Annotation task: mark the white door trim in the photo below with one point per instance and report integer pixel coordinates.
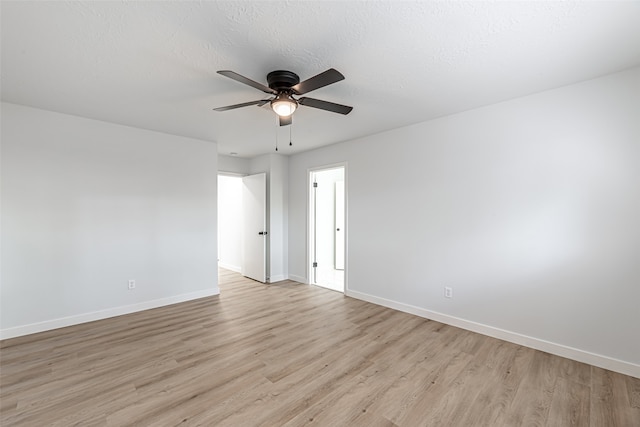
(309, 240)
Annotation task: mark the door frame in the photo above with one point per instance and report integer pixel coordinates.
(309, 257)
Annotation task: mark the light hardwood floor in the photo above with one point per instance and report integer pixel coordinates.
(291, 355)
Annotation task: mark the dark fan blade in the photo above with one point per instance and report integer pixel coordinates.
(244, 104)
(285, 121)
(242, 79)
(325, 105)
(316, 82)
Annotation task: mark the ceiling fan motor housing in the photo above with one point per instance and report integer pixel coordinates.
(282, 80)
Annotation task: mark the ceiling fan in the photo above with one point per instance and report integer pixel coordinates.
(283, 85)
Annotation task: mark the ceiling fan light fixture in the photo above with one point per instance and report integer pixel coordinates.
(284, 105)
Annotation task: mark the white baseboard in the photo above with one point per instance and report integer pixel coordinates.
(598, 360)
(277, 278)
(231, 267)
(298, 279)
(102, 314)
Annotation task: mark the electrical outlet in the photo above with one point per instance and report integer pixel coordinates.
(448, 292)
(132, 284)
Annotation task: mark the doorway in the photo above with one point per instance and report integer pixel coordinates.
(242, 229)
(327, 227)
(230, 222)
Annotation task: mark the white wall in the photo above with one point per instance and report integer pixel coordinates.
(234, 165)
(87, 205)
(278, 218)
(230, 222)
(529, 209)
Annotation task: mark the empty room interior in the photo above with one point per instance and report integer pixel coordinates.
(287, 213)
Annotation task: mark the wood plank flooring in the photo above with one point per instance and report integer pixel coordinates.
(291, 355)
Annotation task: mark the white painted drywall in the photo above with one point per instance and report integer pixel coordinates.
(529, 209)
(278, 216)
(230, 222)
(233, 165)
(88, 205)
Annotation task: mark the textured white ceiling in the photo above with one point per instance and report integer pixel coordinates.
(153, 65)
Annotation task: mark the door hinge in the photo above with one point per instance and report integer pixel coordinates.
(315, 264)
(315, 185)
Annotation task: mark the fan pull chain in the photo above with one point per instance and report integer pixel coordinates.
(277, 124)
(290, 126)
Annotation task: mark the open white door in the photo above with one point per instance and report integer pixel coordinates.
(327, 219)
(339, 237)
(254, 235)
